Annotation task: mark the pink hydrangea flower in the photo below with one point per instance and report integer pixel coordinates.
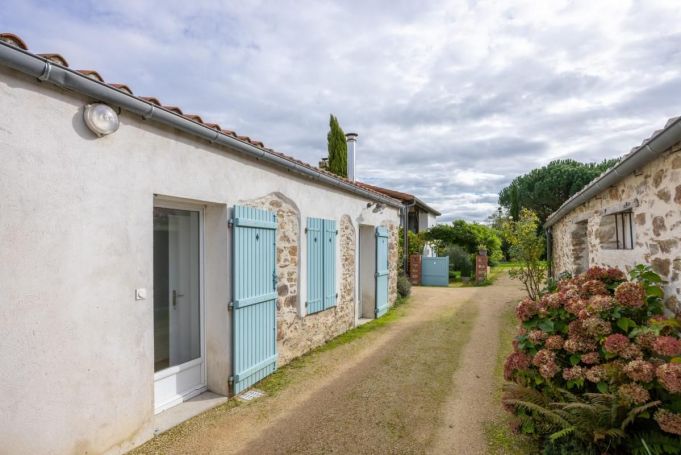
(667, 346)
(669, 376)
(554, 342)
(591, 358)
(576, 372)
(607, 275)
(668, 421)
(631, 352)
(596, 373)
(549, 370)
(545, 360)
(596, 326)
(574, 306)
(575, 344)
(594, 287)
(616, 343)
(630, 294)
(537, 336)
(633, 394)
(640, 370)
(526, 309)
(600, 303)
(552, 301)
(646, 340)
(517, 361)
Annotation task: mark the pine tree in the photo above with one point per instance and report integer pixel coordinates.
(338, 148)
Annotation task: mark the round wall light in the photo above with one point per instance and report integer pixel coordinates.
(101, 119)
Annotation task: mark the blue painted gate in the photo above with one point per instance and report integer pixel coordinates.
(254, 305)
(381, 271)
(435, 271)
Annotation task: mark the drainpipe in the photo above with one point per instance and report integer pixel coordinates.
(405, 233)
(549, 250)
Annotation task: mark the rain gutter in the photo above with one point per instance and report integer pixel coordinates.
(44, 70)
(660, 142)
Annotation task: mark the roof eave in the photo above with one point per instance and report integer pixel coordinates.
(648, 151)
(45, 70)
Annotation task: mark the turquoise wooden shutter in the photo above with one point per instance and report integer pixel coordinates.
(381, 271)
(254, 305)
(329, 263)
(315, 265)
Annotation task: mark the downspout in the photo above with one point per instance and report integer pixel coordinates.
(549, 250)
(66, 78)
(405, 233)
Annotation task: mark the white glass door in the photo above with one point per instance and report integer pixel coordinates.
(179, 371)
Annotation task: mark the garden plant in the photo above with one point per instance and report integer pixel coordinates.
(596, 367)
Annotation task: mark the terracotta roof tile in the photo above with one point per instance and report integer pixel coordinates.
(174, 109)
(92, 74)
(14, 40)
(56, 58)
(193, 117)
(151, 99)
(122, 88)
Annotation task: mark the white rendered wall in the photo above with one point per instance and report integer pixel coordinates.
(75, 243)
(426, 220)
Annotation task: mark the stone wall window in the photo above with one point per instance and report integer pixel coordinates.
(616, 231)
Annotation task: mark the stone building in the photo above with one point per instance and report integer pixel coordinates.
(631, 214)
(150, 256)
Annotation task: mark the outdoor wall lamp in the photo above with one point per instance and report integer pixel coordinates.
(101, 119)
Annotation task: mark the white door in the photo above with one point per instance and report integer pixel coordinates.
(179, 368)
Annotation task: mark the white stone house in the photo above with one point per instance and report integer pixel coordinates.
(631, 214)
(132, 263)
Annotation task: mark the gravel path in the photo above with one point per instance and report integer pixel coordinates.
(472, 404)
(413, 386)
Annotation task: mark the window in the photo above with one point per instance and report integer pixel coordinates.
(321, 264)
(616, 231)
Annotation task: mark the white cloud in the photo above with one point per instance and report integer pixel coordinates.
(451, 99)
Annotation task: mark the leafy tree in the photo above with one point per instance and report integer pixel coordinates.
(469, 236)
(338, 148)
(544, 190)
(527, 247)
(416, 242)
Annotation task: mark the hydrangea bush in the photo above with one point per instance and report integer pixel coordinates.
(598, 360)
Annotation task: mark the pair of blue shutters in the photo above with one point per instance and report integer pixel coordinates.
(254, 305)
(381, 271)
(321, 264)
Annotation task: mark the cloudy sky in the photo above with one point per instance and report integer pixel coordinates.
(451, 100)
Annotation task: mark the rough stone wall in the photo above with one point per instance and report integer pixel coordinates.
(297, 335)
(655, 193)
(393, 261)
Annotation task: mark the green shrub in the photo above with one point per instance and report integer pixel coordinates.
(403, 285)
(459, 260)
(568, 446)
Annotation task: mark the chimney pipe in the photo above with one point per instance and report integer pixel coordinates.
(351, 139)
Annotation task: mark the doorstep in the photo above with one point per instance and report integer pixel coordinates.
(362, 321)
(174, 416)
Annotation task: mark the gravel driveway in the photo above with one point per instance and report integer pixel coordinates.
(414, 386)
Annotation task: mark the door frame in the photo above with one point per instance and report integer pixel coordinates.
(170, 371)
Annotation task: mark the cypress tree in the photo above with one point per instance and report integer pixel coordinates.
(338, 148)
(515, 203)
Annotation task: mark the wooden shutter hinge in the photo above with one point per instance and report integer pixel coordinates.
(230, 223)
(230, 306)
